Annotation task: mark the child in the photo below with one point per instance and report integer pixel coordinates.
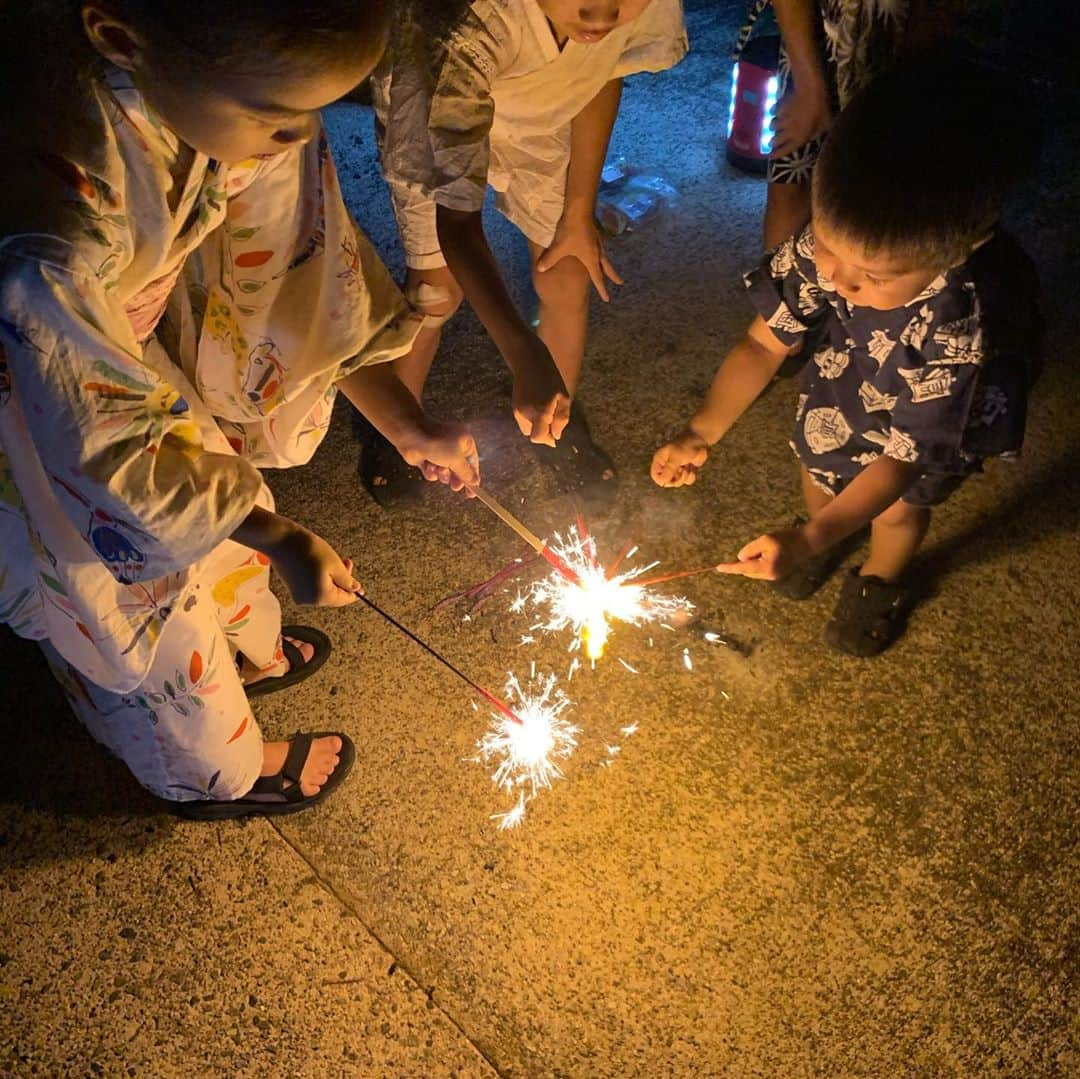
(169, 155)
(520, 95)
(831, 49)
(926, 332)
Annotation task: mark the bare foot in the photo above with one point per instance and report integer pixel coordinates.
(249, 674)
(320, 764)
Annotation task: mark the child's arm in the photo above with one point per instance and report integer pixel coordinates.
(806, 111)
(313, 571)
(577, 235)
(877, 487)
(445, 452)
(745, 372)
(541, 401)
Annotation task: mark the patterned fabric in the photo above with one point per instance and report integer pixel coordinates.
(128, 442)
(862, 38)
(187, 732)
(493, 106)
(924, 383)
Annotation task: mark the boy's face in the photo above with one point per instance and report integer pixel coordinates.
(865, 280)
(230, 114)
(589, 21)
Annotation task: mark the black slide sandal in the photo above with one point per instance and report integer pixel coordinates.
(298, 669)
(270, 797)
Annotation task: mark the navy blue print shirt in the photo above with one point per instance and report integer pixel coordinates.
(922, 383)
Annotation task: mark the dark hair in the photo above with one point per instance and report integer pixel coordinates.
(437, 19)
(919, 163)
(225, 32)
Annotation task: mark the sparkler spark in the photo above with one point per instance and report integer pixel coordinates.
(528, 751)
(512, 817)
(589, 598)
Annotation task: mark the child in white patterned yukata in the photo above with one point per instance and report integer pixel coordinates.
(521, 96)
(925, 333)
(182, 294)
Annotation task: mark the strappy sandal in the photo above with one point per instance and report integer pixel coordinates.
(270, 797)
(869, 616)
(808, 577)
(299, 668)
(581, 467)
(385, 474)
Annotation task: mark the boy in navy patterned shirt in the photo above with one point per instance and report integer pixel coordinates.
(925, 337)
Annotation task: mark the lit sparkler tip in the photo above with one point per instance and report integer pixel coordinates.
(595, 597)
(529, 742)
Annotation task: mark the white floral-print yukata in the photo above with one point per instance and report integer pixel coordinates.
(130, 437)
(493, 105)
(941, 382)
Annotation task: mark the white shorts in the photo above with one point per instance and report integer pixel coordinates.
(532, 201)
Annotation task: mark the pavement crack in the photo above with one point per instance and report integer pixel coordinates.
(398, 964)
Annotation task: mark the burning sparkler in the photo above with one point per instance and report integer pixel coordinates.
(591, 597)
(527, 739)
(528, 751)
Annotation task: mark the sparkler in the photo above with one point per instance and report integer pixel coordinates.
(528, 752)
(527, 740)
(596, 595)
(530, 537)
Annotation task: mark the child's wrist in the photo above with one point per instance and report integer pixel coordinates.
(699, 432)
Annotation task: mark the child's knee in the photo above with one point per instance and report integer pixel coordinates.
(436, 298)
(901, 514)
(566, 284)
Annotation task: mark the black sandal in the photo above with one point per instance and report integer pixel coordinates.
(808, 577)
(869, 615)
(270, 797)
(385, 474)
(581, 467)
(299, 669)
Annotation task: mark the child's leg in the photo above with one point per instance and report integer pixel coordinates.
(895, 536)
(564, 312)
(436, 294)
(787, 209)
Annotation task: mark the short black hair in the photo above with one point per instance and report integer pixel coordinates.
(918, 165)
(260, 30)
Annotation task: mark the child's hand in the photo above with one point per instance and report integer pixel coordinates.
(313, 571)
(677, 463)
(541, 401)
(770, 557)
(804, 114)
(444, 453)
(577, 236)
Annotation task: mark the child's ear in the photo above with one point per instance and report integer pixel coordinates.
(114, 38)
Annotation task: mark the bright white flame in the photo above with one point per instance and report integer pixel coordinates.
(528, 752)
(588, 604)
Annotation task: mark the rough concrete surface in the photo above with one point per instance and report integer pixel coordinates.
(800, 864)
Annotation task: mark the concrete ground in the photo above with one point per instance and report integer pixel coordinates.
(799, 865)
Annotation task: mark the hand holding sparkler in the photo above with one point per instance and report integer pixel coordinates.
(770, 557)
(312, 570)
(444, 453)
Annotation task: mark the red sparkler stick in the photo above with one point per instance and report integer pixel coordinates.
(673, 576)
(530, 537)
(618, 558)
(486, 694)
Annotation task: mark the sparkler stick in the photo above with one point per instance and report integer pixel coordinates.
(674, 576)
(627, 546)
(486, 694)
(530, 537)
